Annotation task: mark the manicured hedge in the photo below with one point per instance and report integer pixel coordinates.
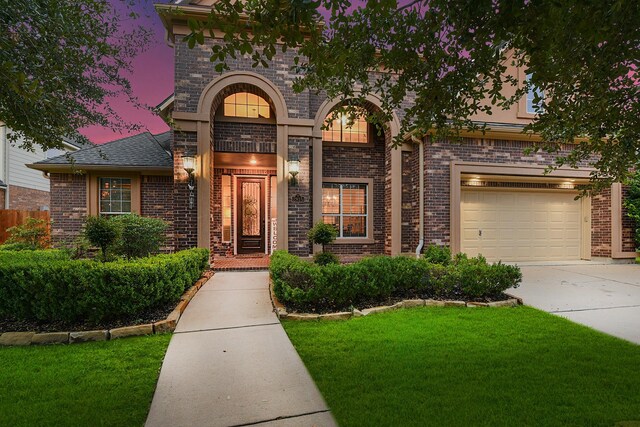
(304, 286)
(28, 256)
(47, 286)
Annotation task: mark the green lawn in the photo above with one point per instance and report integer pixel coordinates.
(460, 367)
(92, 384)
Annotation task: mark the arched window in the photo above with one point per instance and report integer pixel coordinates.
(245, 104)
(340, 130)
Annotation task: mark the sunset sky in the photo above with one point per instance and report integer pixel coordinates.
(152, 80)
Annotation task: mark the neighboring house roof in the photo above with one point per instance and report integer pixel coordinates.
(77, 142)
(2, 184)
(141, 151)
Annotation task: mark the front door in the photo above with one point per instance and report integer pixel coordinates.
(251, 213)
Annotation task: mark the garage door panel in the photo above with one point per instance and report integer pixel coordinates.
(520, 225)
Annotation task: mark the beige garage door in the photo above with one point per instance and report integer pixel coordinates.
(520, 225)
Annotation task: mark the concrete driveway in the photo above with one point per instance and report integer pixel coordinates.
(605, 297)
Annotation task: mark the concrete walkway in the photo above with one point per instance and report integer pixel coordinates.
(230, 363)
(605, 297)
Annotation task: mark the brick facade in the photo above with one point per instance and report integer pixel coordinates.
(410, 202)
(299, 199)
(628, 228)
(167, 197)
(438, 158)
(28, 199)
(68, 206)
(185, 217)
(156, 201)
(244, 137)
(339, 161)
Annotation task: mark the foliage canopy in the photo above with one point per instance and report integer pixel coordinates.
(60, 61)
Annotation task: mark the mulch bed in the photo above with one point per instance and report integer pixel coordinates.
(150, 316)
(396, 299)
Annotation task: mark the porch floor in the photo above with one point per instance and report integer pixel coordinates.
(241, 262)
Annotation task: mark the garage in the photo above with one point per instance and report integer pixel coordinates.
(523, 225)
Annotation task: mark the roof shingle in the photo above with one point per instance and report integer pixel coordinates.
(143, 150)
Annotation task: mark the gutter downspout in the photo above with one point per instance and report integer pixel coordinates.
(420, 196)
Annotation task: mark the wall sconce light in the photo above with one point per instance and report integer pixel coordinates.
(189, 165)
(294, 169)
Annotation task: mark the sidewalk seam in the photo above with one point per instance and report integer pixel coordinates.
(227, 327)
(593, 309)
(284, 417)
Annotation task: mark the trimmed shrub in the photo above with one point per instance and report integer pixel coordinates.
(15, 257)
(139, 236)
(322, 234)
(47, 286)
(437, 254)
(324, 258)
(305, 286)
(32, 235)
(17, 247)
(101, 232)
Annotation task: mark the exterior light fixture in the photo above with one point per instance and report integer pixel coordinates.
(189, 165)
(294, 169)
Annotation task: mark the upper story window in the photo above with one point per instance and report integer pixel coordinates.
(115, 196)
(532, 95)
(341, 130)
(245, 104)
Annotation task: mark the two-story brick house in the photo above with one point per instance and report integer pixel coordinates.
(265, 171)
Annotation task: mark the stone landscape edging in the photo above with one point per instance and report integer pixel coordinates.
(162, 326)
(282, 312)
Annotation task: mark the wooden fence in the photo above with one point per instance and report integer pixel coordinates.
(11, 218)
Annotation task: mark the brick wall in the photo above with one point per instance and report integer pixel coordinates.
(438, 158)
(68, 206)
(156, 201)
(194, 71)
(601, 224)
(244, 137)
(299, 199)
(3, 194)
(628, 227)
(360, 162)
(388, 147)
(28, 199)
(185, 218)
(410, 201)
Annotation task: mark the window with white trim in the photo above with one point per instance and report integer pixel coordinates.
(344, 206)
(115, 196)
(534, 94)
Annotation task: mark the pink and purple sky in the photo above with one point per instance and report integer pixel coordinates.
(151, 80)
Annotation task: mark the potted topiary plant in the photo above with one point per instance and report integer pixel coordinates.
(323, 234)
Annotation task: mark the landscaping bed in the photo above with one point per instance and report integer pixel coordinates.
(9, 324)
(46, 287)
(450, 366)
(45, 297)
(303, 286)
